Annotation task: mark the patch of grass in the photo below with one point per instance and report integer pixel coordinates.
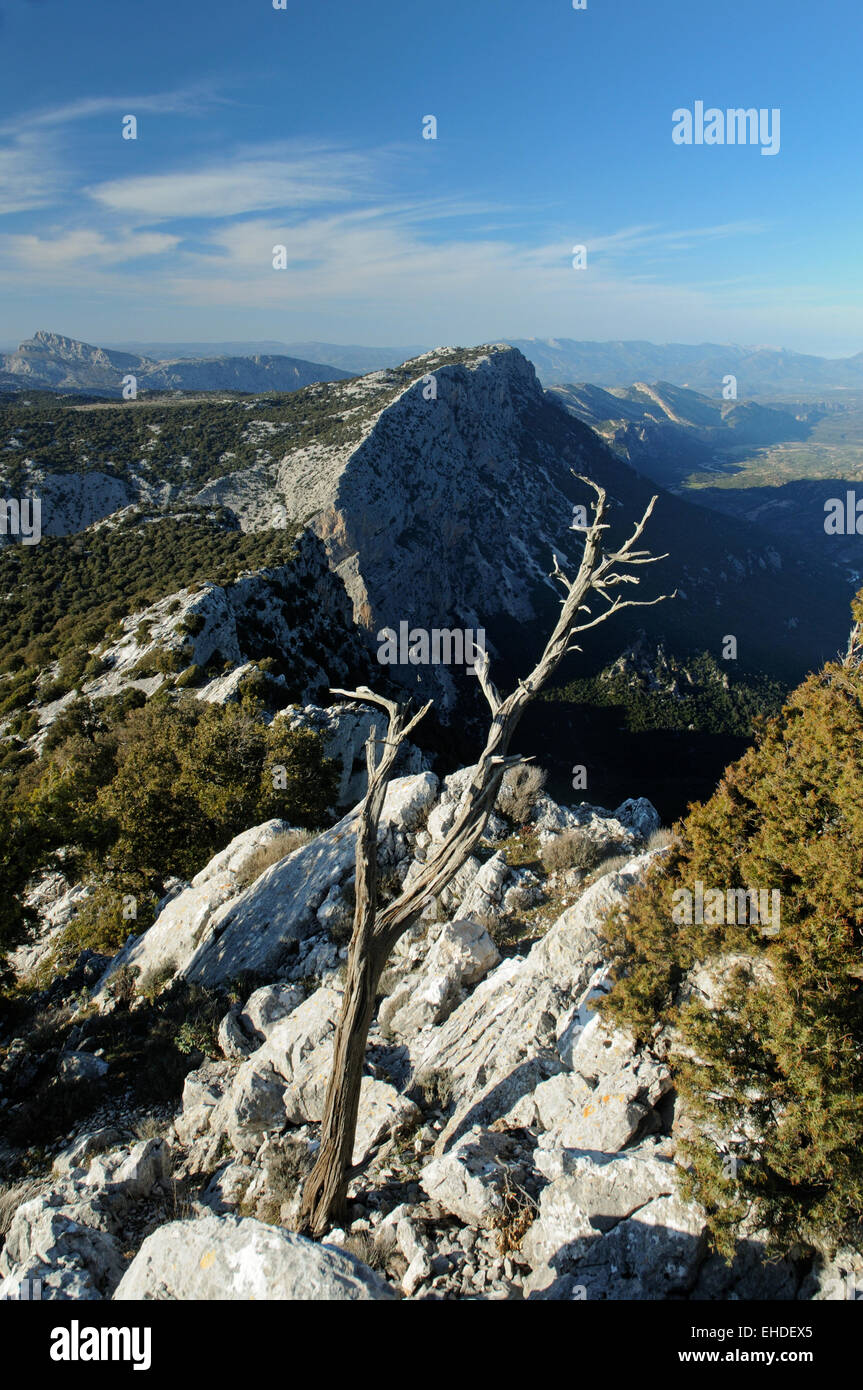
(611, 865)
(155, 981)
(12, 1197)
(572, 849)
(521, 850)
(271, 853)
(150, 1127)
(363, 1247)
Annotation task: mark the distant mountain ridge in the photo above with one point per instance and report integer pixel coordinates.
(51, 361)
(354, 359)
(703, 367)
(666, 431)
(273, 365)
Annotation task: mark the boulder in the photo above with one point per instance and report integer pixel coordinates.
(266, 1006)
(202, 1091)
(638, 815)
(78, 1155)
(232, 1038)
(484, 895)
(188, 918)
(81, 1066)
(147, 1165)
(652, 1255)
(383, 1113)
(71, 1258)
(603, 1188)
(217, 929)
(253, 1108)
(251, 931)
(222, 1258)
(594, 824)
(470, 1180)
(283, 1081)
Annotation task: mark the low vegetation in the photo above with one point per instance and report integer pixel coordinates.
(138, 797)
(676, 694)
(768, 1056)
(69, 593)
(272, 853)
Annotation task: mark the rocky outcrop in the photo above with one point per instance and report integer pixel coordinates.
(513, 1031)
(460, 955)
(509, 1145)
(217, 929)
(345, 730)
(70, 1239)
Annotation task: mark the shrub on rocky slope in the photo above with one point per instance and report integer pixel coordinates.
(767, 1016)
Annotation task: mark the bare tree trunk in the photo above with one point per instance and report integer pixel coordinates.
(376, 933)
(326, 1188)
(325, 1191)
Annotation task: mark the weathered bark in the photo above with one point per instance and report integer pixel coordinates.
(326, 1188)
(376, 933)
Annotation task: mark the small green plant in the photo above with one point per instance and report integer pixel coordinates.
(193, 623)
(155, 981)
(196, 1036)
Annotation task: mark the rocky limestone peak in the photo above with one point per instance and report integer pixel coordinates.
(70, 349)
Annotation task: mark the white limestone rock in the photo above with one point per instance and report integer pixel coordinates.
(502, 1041)
(227, 1258)
(218, 929)
(67, 1250)
(653, 1254)
(467, 1181)
(460, 955)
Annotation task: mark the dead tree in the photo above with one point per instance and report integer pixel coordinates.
(375, 932)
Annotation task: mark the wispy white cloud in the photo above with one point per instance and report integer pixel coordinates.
(188, 101)
(356, 251)
(653, 237)
(30, 175)
(36, 167)
(250, 182)
(64, 252)
(386, 259)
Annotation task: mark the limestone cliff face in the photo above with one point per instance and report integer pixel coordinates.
(448, 509)
(425, 510)
(438, 493)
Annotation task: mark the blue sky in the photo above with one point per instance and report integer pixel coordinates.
(303, 127)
